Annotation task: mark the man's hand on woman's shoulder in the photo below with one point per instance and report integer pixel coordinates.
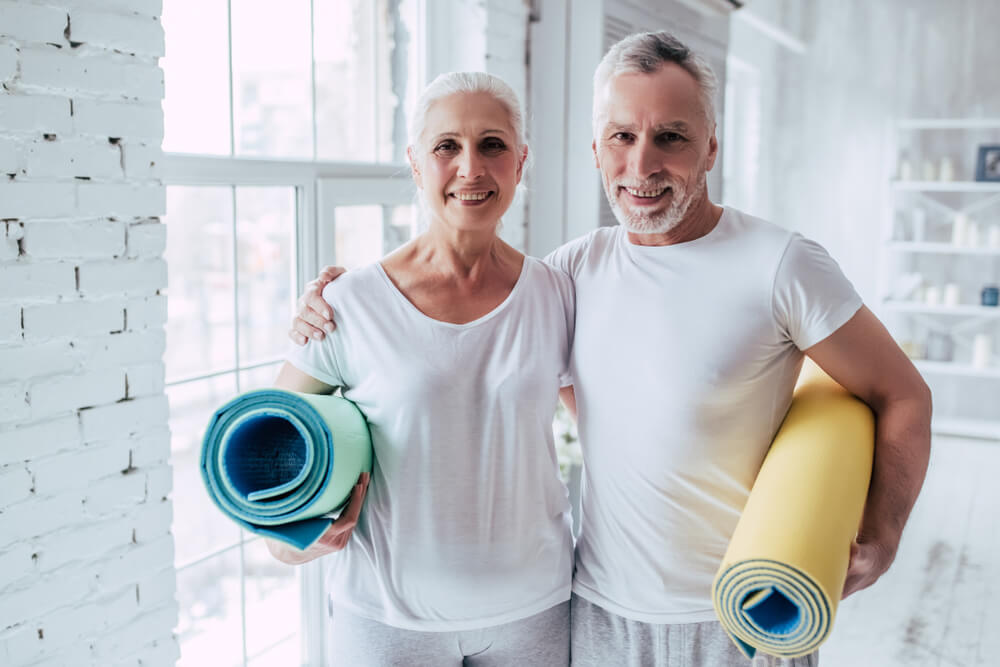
(314, 318)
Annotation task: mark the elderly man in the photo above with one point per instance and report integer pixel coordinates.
(692, 322)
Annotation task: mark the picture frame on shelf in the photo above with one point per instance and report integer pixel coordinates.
(988, 163)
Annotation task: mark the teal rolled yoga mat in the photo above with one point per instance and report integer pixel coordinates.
(277, 461)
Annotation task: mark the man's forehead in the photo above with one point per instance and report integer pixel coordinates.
(658, 99)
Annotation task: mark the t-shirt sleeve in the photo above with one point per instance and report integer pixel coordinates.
(568, 294)
(811, 297)
(319, 358)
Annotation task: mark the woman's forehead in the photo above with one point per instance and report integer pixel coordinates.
(468, 113)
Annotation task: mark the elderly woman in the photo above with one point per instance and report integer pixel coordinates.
(454, 347)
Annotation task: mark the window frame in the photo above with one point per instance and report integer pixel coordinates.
(320, 188)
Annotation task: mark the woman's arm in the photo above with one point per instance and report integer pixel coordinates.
(333, 539)
(336, 536)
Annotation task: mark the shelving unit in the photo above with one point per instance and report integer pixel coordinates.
(934, 269)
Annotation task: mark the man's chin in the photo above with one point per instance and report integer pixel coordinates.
(644, 225)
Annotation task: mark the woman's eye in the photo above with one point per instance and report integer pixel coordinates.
(494, 145)
(446, 147)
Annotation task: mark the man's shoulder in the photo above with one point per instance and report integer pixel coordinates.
(569, 255)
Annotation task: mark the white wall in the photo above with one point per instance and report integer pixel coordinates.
(86, 556)
(826, 150)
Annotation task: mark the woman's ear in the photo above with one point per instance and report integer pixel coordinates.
(413, 167)
(521, 161)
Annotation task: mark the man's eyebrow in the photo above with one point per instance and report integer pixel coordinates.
(673, 126)
(619, 127)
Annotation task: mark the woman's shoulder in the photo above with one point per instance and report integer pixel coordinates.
(361, 284)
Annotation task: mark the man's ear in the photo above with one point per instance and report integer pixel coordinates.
(713, 151)
(417, 178)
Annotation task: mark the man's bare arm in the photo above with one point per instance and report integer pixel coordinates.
(865, 360)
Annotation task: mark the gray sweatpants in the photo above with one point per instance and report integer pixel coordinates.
(603, 639)
(541, 640)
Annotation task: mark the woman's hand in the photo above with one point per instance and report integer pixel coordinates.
(314, 316)
(334, 538)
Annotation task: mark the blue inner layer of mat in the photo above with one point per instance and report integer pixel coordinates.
(264, 452)
(775, 613)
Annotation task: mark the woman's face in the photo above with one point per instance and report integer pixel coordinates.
(466, 161)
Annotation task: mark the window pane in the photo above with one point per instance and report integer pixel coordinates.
(262, 377)
(266, 240)
(210, 626)
(366, 60)
(200, 331)
(273, 604)
(199, 527)
(358, 234)
(272, 88)
(196, 76)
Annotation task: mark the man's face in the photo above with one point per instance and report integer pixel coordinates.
(654, 148)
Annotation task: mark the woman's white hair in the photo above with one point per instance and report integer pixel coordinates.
(451, 83)
(646, 53)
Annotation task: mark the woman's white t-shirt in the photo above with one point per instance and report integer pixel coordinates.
(466, 523)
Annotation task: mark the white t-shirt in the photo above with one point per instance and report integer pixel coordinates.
(683, 365)
(466, 523)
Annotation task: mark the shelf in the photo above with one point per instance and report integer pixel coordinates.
(970, 428)
(951, 368)
(940, 248)
(948, 186)
(957, 311)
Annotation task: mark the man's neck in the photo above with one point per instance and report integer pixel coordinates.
(700, 220)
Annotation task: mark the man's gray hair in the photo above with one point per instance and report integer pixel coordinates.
(646, 53)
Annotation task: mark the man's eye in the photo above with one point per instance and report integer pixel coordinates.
(671, 137)
(621, 136)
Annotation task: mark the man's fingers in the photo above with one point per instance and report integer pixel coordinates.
(306, 330)
(331, 273)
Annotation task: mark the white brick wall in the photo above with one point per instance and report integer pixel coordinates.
(86, 555)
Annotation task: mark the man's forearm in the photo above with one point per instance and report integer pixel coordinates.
(902, 450)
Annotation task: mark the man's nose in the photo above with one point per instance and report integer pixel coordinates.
(644, 161)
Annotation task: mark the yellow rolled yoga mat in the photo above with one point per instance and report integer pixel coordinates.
(783, 573)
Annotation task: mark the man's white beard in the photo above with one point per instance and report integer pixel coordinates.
(683, 195)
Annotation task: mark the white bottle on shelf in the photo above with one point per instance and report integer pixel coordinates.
(993, 236)
(946, 172)
(982, 350)
(958, 227)
(952, 294)
(972, 235)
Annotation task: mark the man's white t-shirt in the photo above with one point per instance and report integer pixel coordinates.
(683, 365)
(466, 523)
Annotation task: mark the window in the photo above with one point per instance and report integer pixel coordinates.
(285, 135)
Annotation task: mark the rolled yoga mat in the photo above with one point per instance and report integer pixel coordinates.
(276, 461)
(783, 574)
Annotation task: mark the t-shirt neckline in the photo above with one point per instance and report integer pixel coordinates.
(456, 325)
(707, 238)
